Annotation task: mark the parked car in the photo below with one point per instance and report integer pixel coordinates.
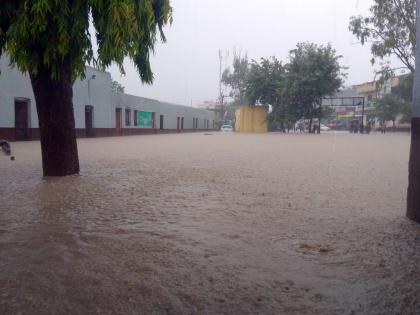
(226, 128)
(337, 125)
(315, 127)
(325, 128)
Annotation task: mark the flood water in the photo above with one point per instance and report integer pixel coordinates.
(206, 224)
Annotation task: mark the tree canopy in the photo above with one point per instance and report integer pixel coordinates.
(404, 89)
(117, 87)
(236, 79)
(264, 86)
(391, 28)
(48, 33)
(264, 80)
(390, 106)
(51, 41)
(294, 89)
(313, 72)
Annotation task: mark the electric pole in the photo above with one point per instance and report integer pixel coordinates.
(413, 193)
(222, 115)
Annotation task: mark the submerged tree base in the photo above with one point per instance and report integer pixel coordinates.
(413, 194)
(54, 103)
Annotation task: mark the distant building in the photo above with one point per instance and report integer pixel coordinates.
(374, 90)
(347, 103)
(217, 108)
(98, 110)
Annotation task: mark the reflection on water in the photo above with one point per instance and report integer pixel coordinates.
(195, 224)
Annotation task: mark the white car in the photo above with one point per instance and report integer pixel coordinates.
(325, 128)
(226, 128)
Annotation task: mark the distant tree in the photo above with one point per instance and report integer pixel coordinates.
(236, 79)
(265, 80)
(389, 107)
(117, 87)
(404, 89)
(391, 28)
(406, 112)
(50, 40)
(230, 112)
(312, 73)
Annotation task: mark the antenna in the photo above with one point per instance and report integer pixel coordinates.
(220, 74)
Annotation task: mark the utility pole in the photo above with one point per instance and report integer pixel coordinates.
(220, 87)
(220, 72)
(413, 193)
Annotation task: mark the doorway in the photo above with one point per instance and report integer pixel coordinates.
(89, 121)
(161, 122)
(177, 124)
(153, 120)
(21, 119)
(118, 129)
(182, 123)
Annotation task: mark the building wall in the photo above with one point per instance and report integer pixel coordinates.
(13, 84)
(373, 90)
(97, 93)
(168, 110)
(251, 119)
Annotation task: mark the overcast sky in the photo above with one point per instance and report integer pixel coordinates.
(186, 67)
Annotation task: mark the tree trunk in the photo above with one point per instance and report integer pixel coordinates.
(413, 193)
(310, 126)
(54, 104)
(319, 126)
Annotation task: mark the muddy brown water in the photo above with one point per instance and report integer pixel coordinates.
(212, 224)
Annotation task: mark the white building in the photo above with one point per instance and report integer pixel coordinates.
(98, 111)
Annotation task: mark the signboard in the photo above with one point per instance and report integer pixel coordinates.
(145, 119)
(346, 115)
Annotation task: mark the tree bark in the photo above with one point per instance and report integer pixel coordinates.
(54, 104)
(413, 193)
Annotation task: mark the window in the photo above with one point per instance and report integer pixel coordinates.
(127, 117)
(135, 118)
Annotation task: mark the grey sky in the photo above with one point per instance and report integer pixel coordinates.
(186, 68)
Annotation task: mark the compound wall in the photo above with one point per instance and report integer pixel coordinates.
(251, 119)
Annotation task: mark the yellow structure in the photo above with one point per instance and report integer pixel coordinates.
(251, 119)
